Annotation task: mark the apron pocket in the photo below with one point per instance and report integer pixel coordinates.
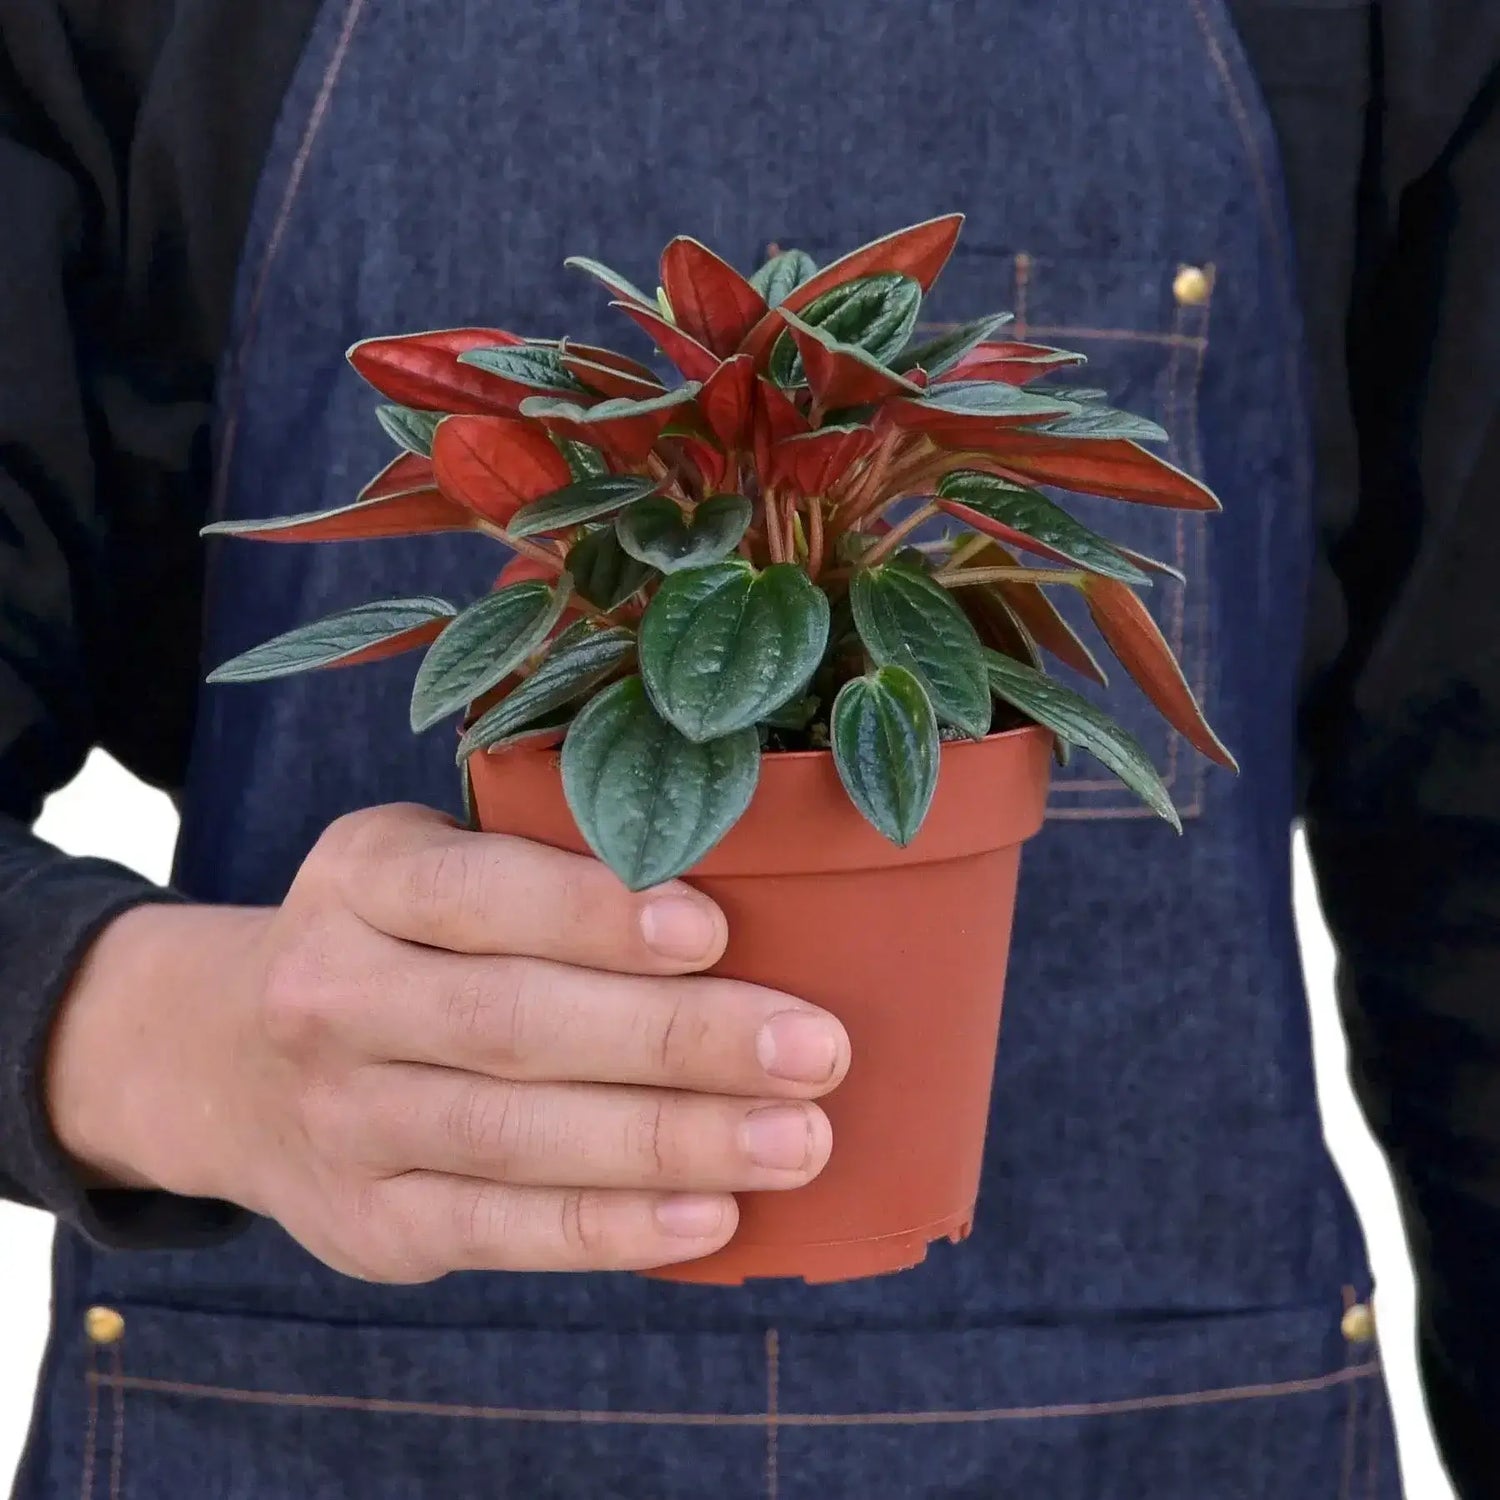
(256, 1408)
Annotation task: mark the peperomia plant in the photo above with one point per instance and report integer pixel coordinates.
(811, 541)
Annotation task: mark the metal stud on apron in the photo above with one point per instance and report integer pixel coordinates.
(1166, 1293)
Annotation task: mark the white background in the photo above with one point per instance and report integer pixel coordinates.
(105, 812)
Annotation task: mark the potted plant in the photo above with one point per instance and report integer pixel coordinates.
(770, 627)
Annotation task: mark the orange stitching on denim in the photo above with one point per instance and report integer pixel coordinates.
(91, 1432)
(289, 196)
(561, 1416)
(117, 1455)
(1377, 1436)
(1023, 287)
(1281, 257)
(773, 1414)
(1200, 553)
(1118, 335)
(1347, 1472)
(1179, 533)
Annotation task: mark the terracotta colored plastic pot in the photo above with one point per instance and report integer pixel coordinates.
(907, 947)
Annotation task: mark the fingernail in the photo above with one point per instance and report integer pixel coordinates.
(779, 1137)
(691, 1218)
(799, 1047)
(677, 927)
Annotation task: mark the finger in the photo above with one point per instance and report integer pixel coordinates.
(469, 1225)
(584, 1135)
(531, 1020)
(412, 873)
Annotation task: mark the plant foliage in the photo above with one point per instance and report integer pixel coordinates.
(811, 540)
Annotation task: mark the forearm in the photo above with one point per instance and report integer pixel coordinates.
(52, 909)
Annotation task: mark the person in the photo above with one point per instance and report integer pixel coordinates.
(355, 1048)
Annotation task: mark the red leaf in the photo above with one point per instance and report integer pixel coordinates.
(1014, 364)
(920, 252)
(695, 362)
(775, 419)
(840, 377)
(727, 401)
(406, 474)
(495, 465)
(605, 380)
(1003, 533)
(523, 568)
(598, 355)
(1113, 467)
(812, 463)
(422, 370)
(711, 462)
(1034, 608)
(711, 301)
(1133, 636)
(410, 514)
(394, 645)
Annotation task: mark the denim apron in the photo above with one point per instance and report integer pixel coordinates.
(1156, 1303)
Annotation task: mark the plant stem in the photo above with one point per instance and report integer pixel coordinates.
(815, 538)
(961, 554)
(897, 534)
(964, 577)
(773, 528)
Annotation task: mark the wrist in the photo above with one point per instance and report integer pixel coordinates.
(140, 1062)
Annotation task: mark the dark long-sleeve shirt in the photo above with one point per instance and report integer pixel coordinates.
(130, 141)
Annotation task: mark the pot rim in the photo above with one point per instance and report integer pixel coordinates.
(991, 795)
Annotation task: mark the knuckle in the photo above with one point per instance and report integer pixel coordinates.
(481, 1223)
(298, 995)
(584, 1226)
(486, 1012)
(441, 883)
(678, 1034)
(482, 1125)
(354, 838)
(655, 1140)
(391, 1246)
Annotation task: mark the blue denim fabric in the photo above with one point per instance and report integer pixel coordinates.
(1150, 1305)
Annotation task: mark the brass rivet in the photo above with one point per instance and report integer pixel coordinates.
(1359, 1324)
(1191, 286)
(104, 1325)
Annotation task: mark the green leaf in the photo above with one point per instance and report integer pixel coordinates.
(603, 572)
(1031, 513)
(650, 802)
(783, 274)
(616, 409)
(487, 642)
(586, 500)
(907, 620)
(873, 314)
(656, 531)
(992, 398)
(576, 664)
(1074, 719)
(532, 365)
(940, 353)
(611, 279)
(1106, 422)
(328, 642)
(886, 748)
(411, 428)
(722, 645)
(584, 461)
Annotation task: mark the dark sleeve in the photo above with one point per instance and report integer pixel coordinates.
(1402, 732)
(98, 597)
